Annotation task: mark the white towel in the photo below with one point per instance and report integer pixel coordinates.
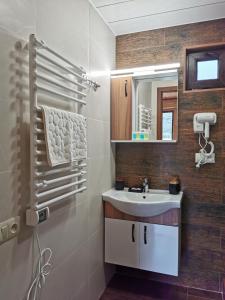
(65, 135)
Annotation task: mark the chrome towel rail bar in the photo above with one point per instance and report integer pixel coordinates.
(61, 76)
(45, 183)
(61, 170)
(42, 45)
(60, 188)
(54, 63)
(53, 82)
(49, 91)
(58, 199)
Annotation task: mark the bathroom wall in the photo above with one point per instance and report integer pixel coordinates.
(203, 212)
(75, 230)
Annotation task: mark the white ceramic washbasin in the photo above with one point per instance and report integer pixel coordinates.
(150, 204)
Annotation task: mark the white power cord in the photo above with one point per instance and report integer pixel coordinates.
(42, 271)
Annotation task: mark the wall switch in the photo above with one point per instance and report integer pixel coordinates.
(35, 217)
(9, 229)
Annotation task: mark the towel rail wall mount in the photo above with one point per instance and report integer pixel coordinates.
(53, 75)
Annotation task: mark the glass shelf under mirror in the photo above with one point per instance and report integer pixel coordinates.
(145, 141)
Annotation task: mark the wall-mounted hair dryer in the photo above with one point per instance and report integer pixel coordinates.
(201, 123)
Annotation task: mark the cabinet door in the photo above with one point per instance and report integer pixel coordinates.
(122, 242)
(159, 248)
(121, 108)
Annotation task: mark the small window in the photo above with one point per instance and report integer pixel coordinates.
(167, 125)
(205, 68)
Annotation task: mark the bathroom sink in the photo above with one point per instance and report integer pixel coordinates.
(150, 204)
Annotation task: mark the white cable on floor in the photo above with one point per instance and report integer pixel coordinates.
(42, 271)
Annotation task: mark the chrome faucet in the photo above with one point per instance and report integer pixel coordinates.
(145, 185)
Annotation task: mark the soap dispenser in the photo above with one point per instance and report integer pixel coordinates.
(174, 185)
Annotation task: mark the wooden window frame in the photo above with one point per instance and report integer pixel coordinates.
(204, 53)
(160, 111)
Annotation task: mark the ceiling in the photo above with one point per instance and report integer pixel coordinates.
(127, 16)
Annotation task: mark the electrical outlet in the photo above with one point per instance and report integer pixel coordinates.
(211, 159)
(208, 160)
(9, 229)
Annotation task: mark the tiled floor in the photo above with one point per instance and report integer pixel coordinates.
(127, 288)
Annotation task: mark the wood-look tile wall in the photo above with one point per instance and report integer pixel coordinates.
(203, 212)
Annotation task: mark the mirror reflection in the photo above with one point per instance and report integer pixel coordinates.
(156, 107)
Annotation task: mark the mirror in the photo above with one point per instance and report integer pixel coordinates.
(155, 107)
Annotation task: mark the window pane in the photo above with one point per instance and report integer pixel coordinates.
(167, 125)
(207, 69)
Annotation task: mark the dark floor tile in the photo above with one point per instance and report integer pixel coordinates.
(196, 294)
(205, 280)
(192, 297)
(127, 288)
(112, 294)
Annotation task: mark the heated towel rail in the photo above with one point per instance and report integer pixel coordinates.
(54, 79)
(145, 118)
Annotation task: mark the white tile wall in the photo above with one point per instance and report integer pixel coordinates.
(74, 231)
(17, 18)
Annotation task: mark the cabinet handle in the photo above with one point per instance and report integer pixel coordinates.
(145, 235)
(133, 229)
(125, 88)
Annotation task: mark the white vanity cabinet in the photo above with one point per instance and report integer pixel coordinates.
(122, 242)
(159, 248)
(144, 246)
